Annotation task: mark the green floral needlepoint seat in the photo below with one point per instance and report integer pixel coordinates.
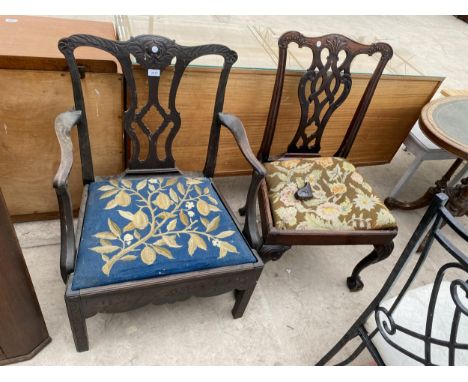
(143, 228)
(342, 200)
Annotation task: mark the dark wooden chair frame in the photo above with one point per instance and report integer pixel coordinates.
(153, 53)
(320, 79)
(435, 216)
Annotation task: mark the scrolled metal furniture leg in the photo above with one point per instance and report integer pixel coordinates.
(457, 205)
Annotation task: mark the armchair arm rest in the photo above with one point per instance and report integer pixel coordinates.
(63, 125)
(237, 129)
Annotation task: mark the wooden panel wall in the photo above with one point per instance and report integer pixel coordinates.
(30, 101)
(29, 151)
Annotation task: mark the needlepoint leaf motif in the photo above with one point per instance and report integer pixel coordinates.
(168, 209)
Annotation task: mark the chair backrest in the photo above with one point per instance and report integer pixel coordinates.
(451, 298)
(324, 86)
(154, 54)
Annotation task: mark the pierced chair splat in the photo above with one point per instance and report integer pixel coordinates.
(151, 234)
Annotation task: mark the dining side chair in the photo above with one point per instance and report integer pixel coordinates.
(151, 234)
(422, 325)
(306, 199)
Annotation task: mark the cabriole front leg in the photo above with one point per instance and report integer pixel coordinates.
(380, 252)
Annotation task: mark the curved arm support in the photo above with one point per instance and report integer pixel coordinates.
(63, 125)
(237, 129)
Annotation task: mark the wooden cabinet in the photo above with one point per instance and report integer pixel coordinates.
(23, 332)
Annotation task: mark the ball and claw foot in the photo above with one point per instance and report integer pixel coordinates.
(354, 283)
(379, 253)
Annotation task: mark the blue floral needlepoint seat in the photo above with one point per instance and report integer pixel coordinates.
(143, 228)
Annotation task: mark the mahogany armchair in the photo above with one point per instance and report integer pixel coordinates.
(305, 199)
(150, 234)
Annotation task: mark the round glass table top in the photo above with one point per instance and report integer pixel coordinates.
(445, 122)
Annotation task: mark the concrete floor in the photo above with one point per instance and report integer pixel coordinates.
(301, 305)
